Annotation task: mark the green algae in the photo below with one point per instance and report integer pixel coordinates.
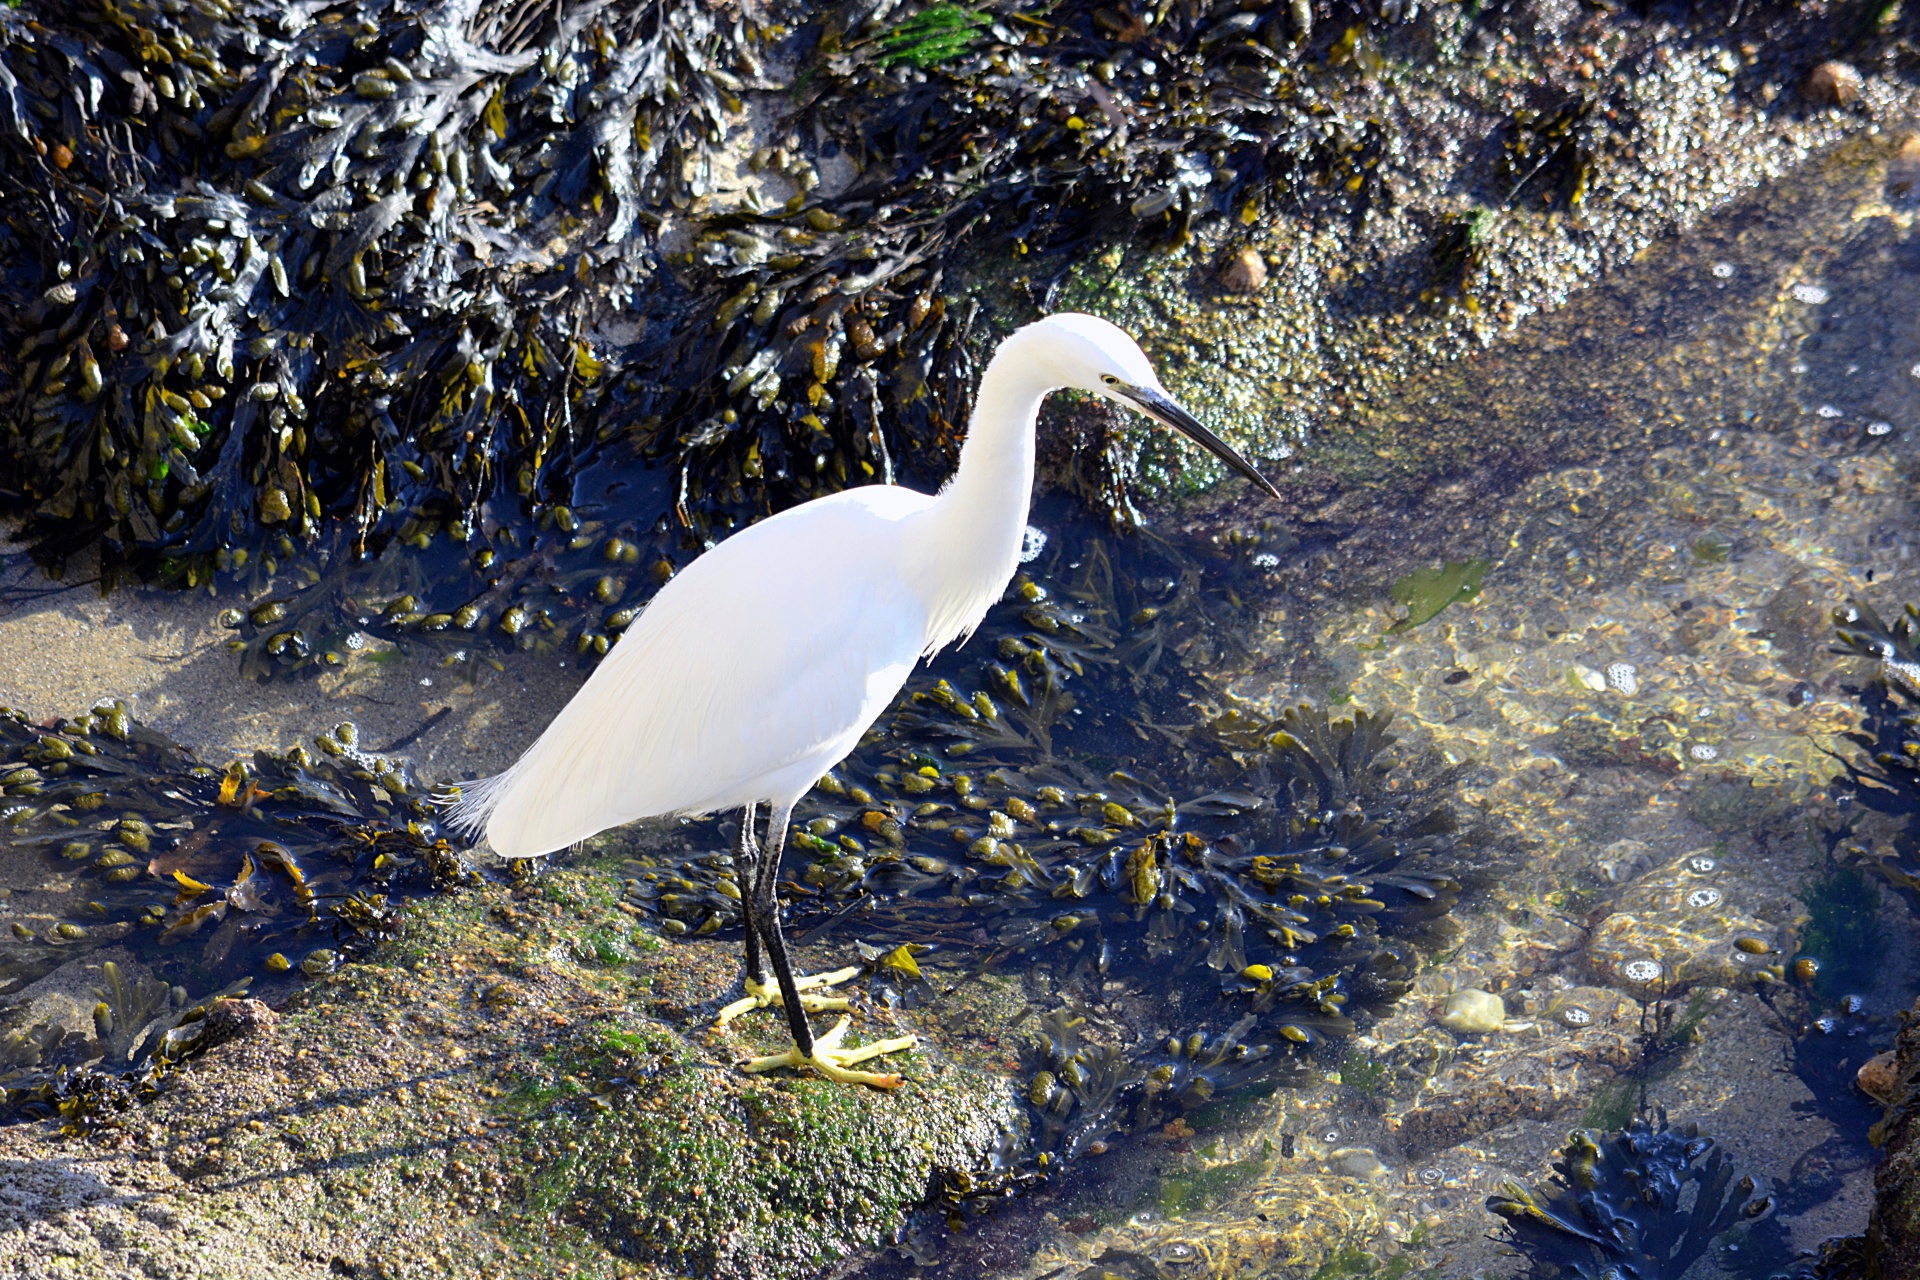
(669, 1161)
(541, 1109)
(1843, 929)
(1193, 1189)
(1426, 592)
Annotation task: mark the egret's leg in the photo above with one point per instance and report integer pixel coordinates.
(761, 904)
(825, 1056)
(746, 857)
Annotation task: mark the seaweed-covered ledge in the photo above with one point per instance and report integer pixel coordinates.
(518, 1082)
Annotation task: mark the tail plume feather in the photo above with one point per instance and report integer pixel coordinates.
(470, 804)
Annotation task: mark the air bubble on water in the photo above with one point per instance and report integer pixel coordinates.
(1266, 560)
(1623, 678)
(1722, 270)
(355, 640)
(1702, 751)
(1032, 542)
(426, 682)
(1704, 898)
(1811, 294)
(1701, 864)
(1879, 428)
(1828, 411)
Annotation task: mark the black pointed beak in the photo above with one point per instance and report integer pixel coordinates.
(1162, 409)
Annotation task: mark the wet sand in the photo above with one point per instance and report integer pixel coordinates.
(63, 648)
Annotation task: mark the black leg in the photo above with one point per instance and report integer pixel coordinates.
(767, 908)
(746, 858)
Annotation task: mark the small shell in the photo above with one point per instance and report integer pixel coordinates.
(1642, 971)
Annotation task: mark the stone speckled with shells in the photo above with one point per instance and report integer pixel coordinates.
(1680, 919)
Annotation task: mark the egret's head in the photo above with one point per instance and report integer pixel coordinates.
(1094, 355)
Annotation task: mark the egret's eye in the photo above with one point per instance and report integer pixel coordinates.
(1109, 379)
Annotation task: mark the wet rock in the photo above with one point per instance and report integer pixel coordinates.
(1896, 1182)
(571, 1127)
(1473, 1012)
(1358, 1162)
(1624, 861)
(1876, 1077)
(231, 1019)
(1535, 1075)
(1677, 928)
(1243, 271)
(1278, 1221)
(1832, 84)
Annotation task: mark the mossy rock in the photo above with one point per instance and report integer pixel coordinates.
(714, 1174)
(524, 1084)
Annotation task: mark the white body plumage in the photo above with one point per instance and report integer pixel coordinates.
(761, 664)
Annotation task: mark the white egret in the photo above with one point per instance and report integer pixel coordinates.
(760, 665)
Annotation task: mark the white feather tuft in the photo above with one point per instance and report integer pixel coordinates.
(471, 804)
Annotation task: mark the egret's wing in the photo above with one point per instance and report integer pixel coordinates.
(768, 655)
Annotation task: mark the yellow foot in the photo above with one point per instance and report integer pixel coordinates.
(760, 995)
(831, 1061)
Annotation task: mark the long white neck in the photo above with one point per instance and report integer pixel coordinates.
(978, 521)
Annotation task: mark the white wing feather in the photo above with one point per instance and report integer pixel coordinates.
(749, 675)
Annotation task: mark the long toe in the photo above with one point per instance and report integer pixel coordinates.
(767, 995)
(873, 1079)
(836, 1063)
(759, 996)
(803, 982)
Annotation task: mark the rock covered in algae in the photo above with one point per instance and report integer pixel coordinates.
(493, 1093)
(1896, 1181)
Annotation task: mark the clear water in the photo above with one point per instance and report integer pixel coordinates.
(1661, 493)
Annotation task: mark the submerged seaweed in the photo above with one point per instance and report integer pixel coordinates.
(210, 875)
(1618, 1204)
(1885, 773)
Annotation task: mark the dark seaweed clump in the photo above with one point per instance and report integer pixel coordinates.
(212, 878)
(1885, 774)
(1618, 1204)
(1186, 927)
(300, 283)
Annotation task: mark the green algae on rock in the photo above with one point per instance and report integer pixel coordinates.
(677, 1163)
(487, 1083)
